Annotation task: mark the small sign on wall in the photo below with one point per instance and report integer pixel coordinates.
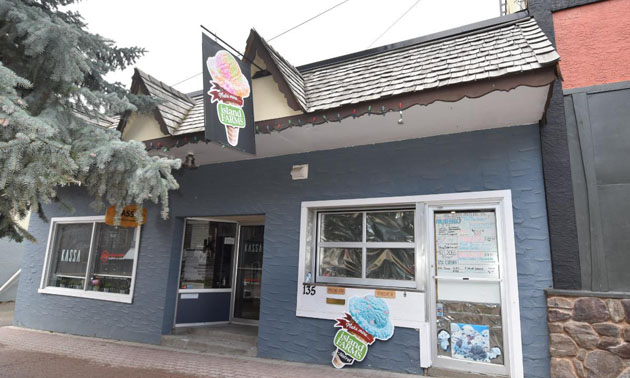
(127, 216)
(366, 320)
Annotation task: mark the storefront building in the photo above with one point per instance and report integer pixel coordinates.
(410, 173)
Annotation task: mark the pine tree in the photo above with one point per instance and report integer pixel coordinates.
(51, 84)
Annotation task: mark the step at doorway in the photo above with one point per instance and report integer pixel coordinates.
(229, 339)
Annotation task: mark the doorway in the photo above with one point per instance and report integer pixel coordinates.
(220, 271)
(248, 274)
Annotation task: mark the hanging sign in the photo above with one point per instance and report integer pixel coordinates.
(367, 320)
(227, 98)
(127, 216)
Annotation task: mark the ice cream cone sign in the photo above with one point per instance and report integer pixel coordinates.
(366, 320)
(227, 98)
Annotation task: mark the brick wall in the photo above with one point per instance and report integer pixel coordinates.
(594, 43)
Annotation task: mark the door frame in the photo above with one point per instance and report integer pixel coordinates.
(510, 309)
(192, 291)
(235, 274)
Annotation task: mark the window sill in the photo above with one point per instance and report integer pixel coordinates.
(111, 297)
(369, 287)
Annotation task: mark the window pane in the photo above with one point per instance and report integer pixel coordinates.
(466, 244)
(392, 226)
(114, 250)
(391, 263)
(207, 255)
(69, 256)
(342, 227)
(340, 262)
(108, 284)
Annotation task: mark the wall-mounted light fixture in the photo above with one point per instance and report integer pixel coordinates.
(299, 172)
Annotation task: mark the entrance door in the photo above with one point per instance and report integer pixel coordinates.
(470, 321)
(205, 283)
(249, 274)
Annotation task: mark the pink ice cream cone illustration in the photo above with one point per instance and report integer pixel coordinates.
(229, 88)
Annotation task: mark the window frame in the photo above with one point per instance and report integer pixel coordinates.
(85, 293)
(364, 245)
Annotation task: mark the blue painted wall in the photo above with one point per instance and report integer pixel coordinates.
(507, 158)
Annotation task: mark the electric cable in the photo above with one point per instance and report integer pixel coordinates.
(310, 19)
(393, 24)
(281, 34)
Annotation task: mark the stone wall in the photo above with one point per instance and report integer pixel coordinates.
(588, 336)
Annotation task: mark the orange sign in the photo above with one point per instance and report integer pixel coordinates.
(385, 294)
(127, 216)
(336, 290)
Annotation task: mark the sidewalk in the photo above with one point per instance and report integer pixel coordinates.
(161, 361)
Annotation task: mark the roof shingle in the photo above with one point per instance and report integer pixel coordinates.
(497, 50)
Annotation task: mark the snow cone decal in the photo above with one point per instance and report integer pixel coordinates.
(229, 88)
(227, 98)
(367, 320)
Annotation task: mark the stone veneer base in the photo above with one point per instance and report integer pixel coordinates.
(589, 334)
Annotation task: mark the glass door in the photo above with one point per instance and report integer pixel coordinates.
(469, 318)
(249, 273)
(205, 281)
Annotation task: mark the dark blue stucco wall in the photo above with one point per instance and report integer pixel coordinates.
(507, 158)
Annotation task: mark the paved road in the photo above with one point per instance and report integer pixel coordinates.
(6, 313)
(36, 354)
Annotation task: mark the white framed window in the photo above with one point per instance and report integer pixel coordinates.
(465, 273)
(89, 259)
(368, 247)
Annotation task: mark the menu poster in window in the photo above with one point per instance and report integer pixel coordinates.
(466, 244)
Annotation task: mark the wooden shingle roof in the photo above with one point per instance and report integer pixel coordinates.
(484, 51)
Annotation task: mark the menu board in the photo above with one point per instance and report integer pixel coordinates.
(466, 244)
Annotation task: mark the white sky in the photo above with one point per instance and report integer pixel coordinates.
(170, 30)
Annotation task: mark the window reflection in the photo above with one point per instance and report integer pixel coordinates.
(340, 262)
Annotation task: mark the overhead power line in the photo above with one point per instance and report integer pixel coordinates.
(269, 40)
(394, 23)
(186, 79)
(310, 19)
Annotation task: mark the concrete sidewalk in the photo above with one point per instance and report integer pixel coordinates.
(148, 361)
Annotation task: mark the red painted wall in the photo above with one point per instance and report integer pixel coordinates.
(594, 43)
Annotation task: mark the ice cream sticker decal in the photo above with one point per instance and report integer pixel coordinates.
(367, 320)
(227, 98)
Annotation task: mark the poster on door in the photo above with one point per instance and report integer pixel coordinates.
(466, 244)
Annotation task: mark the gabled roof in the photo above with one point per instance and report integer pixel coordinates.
(173, 107)
(480, 54)
(288, 78)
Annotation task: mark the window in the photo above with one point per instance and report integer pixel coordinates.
(446, 262)
(88, 258)
(374, 247)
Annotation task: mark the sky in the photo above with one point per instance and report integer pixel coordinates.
(170, 31)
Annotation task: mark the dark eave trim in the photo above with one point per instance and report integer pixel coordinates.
(446, 35)
(537, 78)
